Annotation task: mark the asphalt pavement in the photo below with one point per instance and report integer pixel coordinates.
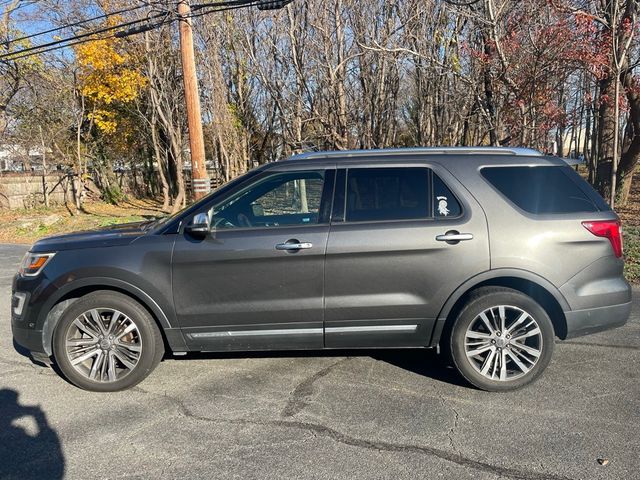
(348, 414)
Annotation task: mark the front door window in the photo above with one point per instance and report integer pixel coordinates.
(281, 199)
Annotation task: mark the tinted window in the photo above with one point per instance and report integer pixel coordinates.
(444, 201)
(279, 199)
(387, 194)
(540, 189)
(293, 197)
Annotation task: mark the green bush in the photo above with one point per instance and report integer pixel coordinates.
(632, 254)
(113, 195)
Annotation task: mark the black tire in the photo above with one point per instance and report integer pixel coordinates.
(147, 334)
(516, 303)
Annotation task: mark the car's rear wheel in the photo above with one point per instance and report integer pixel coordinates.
(501, 340)
(106, 342)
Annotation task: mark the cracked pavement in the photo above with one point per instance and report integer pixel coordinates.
(341, 414)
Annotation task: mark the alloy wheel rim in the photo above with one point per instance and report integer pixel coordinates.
(103, 344)
(503, 343)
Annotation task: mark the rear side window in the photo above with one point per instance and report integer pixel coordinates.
(541, 190)
(387, 194)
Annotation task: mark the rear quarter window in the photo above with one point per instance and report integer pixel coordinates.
(445, 202)
(544, 190)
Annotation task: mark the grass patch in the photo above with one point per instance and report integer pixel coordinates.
(107, 222)
(632, 254)
(27, 226)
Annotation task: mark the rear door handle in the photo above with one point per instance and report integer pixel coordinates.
(454, 236)
(293, 246)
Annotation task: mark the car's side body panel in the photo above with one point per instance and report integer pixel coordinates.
(554, 246)
(141, 269)
(234, 290)
(492, 277)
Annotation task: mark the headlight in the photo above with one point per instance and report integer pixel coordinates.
(33, 263)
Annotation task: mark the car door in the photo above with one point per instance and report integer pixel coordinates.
(256, 282)
(402, 239)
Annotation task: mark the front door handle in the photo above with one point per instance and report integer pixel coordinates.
(454, 237)
(293, 245)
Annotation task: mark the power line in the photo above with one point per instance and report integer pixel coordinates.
(72, 43)
(461, 3)
(76, 37)
(212, 9)
(144, 28)
(17, 55)
(75, 24)
(206, 8)
(229, 3)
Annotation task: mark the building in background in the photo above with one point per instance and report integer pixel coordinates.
(16, 158)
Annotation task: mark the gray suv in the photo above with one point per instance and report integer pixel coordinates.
(488, 253)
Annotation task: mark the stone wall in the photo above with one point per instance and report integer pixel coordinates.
(25, 190)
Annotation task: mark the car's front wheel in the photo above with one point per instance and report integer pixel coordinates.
(106, 342)
(501, 340)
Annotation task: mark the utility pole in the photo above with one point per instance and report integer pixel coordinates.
(199, 179)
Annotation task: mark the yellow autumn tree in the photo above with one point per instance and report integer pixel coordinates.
(109, 78)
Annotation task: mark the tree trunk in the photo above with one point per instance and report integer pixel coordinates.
(625, 188)
(616, 140)
(45, 188)
(164, 184)
(595, 150)
(631, 156)
(181, 199)
(78, 180)
(606, 132)
(488, 94)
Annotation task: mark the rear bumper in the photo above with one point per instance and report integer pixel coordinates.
(592, 320)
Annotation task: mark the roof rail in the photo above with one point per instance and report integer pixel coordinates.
(419, 151)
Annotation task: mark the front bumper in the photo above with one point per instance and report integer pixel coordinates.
(592, 320)
(28, 338)
(27, 323)
(27, 333)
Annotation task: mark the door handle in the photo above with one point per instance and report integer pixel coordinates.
(293, 246)
(454, 236)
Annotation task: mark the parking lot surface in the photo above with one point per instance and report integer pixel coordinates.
(344, 414)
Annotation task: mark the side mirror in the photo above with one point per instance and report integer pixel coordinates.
(199, 226)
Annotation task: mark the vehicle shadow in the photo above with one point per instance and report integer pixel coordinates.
(29, 447)
(20, 350)
(39, 363)
(422, 362)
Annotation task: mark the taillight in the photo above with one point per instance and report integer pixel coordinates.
(609, 229)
